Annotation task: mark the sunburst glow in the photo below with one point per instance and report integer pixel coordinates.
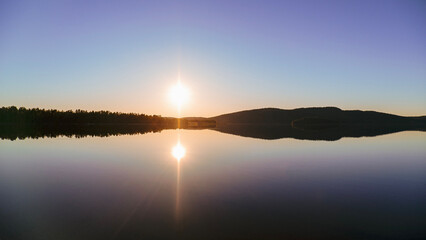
(179, 94)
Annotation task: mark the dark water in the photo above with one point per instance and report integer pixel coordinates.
(224, 187)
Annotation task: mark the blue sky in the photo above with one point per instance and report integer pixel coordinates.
(232, 55)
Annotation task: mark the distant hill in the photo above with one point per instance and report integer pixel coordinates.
(323, 123)
(277, 116)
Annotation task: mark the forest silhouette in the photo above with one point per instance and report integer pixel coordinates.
(21, 123)
(14, 115)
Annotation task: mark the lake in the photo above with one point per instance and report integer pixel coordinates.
(204, 184)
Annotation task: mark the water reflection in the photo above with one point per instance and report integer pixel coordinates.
(178, 152)
(270, 132)
(135, 187)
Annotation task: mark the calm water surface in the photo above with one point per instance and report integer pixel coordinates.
(213, 186)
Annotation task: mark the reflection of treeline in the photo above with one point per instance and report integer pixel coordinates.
(18, 131)
(14, 115)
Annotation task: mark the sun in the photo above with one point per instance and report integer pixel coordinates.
(179, 94)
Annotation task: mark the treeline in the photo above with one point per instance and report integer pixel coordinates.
(36, 116)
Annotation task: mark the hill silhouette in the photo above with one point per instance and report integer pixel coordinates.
(326, 123)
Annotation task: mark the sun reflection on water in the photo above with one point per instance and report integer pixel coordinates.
(178, 151)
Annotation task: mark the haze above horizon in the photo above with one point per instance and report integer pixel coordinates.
(232, 55)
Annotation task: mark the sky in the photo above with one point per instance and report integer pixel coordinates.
(231, 55)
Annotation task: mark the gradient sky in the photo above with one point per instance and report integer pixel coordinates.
(233, 55)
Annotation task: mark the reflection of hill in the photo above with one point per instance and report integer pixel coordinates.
(329, 134)
(314, 123)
